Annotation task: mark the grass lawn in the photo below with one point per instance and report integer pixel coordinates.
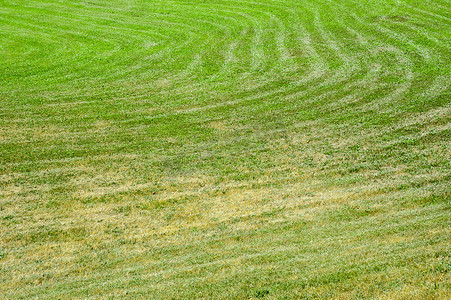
(174, 149)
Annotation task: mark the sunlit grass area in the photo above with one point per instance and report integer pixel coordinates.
(225, 149)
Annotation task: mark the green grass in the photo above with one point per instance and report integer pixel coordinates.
(225, 149)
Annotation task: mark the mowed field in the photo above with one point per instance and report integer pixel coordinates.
(225, 149)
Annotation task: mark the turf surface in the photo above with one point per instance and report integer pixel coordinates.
(225, 149)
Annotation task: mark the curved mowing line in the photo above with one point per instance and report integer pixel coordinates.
(351, 64)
